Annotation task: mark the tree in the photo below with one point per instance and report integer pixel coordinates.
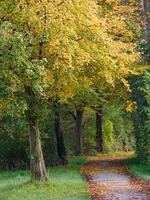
(68, 54)
(111, 50)
(78, 129)
(37, 163)
(76, 52)
(42, 40)
(59, 134)
(140, 89)
(122, 35)
(99, 130)
(22, 72)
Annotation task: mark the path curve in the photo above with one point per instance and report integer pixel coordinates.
(109, 179)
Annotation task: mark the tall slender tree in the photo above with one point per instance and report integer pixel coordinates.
(61, 148)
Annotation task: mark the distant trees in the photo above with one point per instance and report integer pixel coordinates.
(140, 93)
(141, 89)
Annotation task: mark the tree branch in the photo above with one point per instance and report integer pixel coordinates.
(60, 3)
(79, 39)
(72, 114)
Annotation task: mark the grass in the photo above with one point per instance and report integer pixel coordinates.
(138, 169)
(64, 183)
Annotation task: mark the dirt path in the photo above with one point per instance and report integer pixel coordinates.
(108, 179)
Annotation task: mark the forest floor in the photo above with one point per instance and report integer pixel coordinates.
(109, 179)
(65, 183)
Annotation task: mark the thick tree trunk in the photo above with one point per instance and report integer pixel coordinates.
(60, 136)
(78, 131)
(37, 164)
(99, 130)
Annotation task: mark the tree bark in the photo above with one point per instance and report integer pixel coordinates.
(37, 163)
(59, 135)
(146, 19)
(78, 131)
(99, 130)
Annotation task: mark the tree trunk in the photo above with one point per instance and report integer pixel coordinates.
(37, 163)
(59, 135)
(78, 131)
(99, 130)
(146, 19)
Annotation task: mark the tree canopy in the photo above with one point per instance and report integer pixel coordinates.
(77, 57)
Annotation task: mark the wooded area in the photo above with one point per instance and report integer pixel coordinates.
(74, 80)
